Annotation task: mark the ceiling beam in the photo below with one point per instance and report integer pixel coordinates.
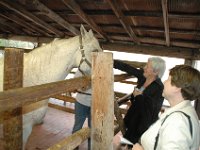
(48, 12)
(119, 14)
(166, 23)
(109, 27)
(177, 52)
(77, 9)
(153, 50)
(10, 26)
(24, 24)
(27, 38)
(173, 31)
(150, 40)
(21, 11)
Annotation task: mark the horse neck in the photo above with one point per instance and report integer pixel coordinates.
(51, 62)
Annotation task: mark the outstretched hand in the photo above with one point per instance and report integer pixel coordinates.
(137, 147)
(136, 92)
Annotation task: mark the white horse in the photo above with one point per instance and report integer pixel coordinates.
(51, 63)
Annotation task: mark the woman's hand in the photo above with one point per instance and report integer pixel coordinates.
(137, 147)
(136, 92)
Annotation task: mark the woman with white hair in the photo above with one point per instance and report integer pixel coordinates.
(146, 99)
(178, 127)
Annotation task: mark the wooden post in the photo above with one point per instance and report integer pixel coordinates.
(13, 78)
(102, 110)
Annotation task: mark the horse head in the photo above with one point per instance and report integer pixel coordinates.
(88, 44)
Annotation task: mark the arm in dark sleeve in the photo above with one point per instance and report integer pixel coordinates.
(150, 104)
(128, 69)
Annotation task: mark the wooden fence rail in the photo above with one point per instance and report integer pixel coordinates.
(15, 98)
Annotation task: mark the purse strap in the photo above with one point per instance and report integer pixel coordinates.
(190, 124)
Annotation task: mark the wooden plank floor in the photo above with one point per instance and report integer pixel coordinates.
(57, 125)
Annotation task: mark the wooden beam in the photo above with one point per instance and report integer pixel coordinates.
(65, 98)
(38, 39)
(185, 16)
(13, 78)
(190, 62)
(129, 82)
(119, 14)
(172, 31)
(118, 94)
(121, 77)
(153, 50)
(48, 12)
(166, 23)
(12, 99)
(102, 109)
(135, 64)
(77, 9)
(72, 141)
(12, 27)
(176, 52)
(63, 108)
(24, 24)
(158, 41)
(28, 15)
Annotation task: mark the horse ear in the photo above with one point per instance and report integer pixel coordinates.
(82, 30)
(91, 33)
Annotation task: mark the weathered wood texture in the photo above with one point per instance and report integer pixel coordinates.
(121, 77)
(103, 102)
(153, 50)
(13, 69)
(63, 108)
(15, 98)
(72, 141)
(65, 98)
(13, 78)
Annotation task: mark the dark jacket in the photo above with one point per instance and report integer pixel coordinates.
(145, 108)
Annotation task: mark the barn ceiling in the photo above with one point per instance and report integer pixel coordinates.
(157, 27)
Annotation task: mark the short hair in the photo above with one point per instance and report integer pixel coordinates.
(188, 79)
(158, 65)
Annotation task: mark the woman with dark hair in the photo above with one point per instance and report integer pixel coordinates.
(178, 127)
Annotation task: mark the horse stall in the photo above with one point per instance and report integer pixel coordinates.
(13, 100)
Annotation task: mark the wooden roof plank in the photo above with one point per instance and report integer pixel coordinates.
(165, 18)
(23, 12)
(115, 7)
(153, 50)
(24, 24)
(77, 9)
(48, 12)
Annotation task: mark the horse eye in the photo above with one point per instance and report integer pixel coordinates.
(96, 50)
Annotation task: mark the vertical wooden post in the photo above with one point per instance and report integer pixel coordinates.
(190, 62)
(13, 78)
(102, 110)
